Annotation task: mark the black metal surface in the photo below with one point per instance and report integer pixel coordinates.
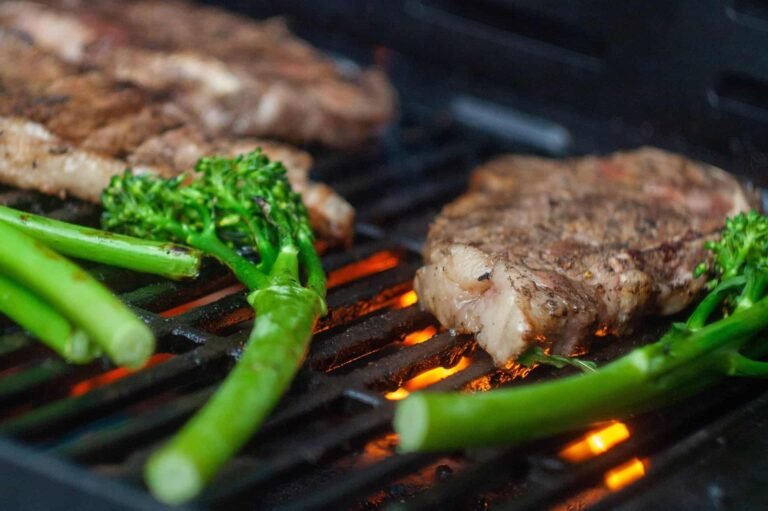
(329, 443)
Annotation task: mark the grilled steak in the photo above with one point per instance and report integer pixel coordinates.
(235, 76)
(65, 130)
(552, 252)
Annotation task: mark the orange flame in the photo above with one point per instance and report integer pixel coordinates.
(426, 379)
(602, 331)
(377, 263)
(85, 386)
(203, 300)
(419, 336)
(378, 449)
(595, 443)
(397, 395)
(625, 474)
(406, 300)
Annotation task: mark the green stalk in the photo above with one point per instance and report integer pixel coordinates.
(40, 319)
(86, 303)
(245, 271)
(713, 301)
(160, 258)
(285, 316)
(672, 368)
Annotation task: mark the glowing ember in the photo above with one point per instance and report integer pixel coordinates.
(582, 500)
(204, 300)
(627, 473)
(377, 449)
(419, 336)
(595, 443)
(376, 263)
(397, 395)
(515, 370)
(602, 331)
(407, 300)
(88, 385)
(426, 379)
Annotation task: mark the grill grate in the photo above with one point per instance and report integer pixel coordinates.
(329, 444)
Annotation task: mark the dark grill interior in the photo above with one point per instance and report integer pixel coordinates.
(77, 437)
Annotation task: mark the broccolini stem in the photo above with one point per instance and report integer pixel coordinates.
(313, 266)
(245, 271)
(86, 303)
(737, 364)
(672, 368)
(160, 258)
(754, 289)
(286, 313)
(712, 301)
(40, 319)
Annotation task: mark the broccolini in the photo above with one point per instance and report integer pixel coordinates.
(245, 202)
(40, 282)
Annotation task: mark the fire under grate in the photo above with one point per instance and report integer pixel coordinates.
(77, 437)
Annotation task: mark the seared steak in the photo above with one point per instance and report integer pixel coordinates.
(553, 252)
(64, 130)
(234, 75)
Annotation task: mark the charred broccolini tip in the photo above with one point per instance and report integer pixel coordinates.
(228, 205)
(718, 340)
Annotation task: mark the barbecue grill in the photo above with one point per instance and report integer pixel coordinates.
(475, 78)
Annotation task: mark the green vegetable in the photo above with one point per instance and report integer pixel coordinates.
(687, 359)
(44, 322)
(85, 302)
(231, 204)
(166, 259)
(536, 355)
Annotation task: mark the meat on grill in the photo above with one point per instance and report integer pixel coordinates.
(234, 75)
(552, 252)
(66, 131)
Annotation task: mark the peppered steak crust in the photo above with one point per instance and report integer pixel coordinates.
(553, 251)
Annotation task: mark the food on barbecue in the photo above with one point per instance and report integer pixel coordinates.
(40, 313)
(718, 340)
(66, 130)
(65, 289)
(536, 355)
(35, 315)
(160, 258)
(234, 75)
(231, 203)
(545, 252)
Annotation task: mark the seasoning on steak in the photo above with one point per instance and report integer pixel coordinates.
(66, 131)
(551, 252)
(235, 75)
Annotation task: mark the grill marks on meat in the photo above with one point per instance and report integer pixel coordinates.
(235, 76)
(66, 130)
(550, 252)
